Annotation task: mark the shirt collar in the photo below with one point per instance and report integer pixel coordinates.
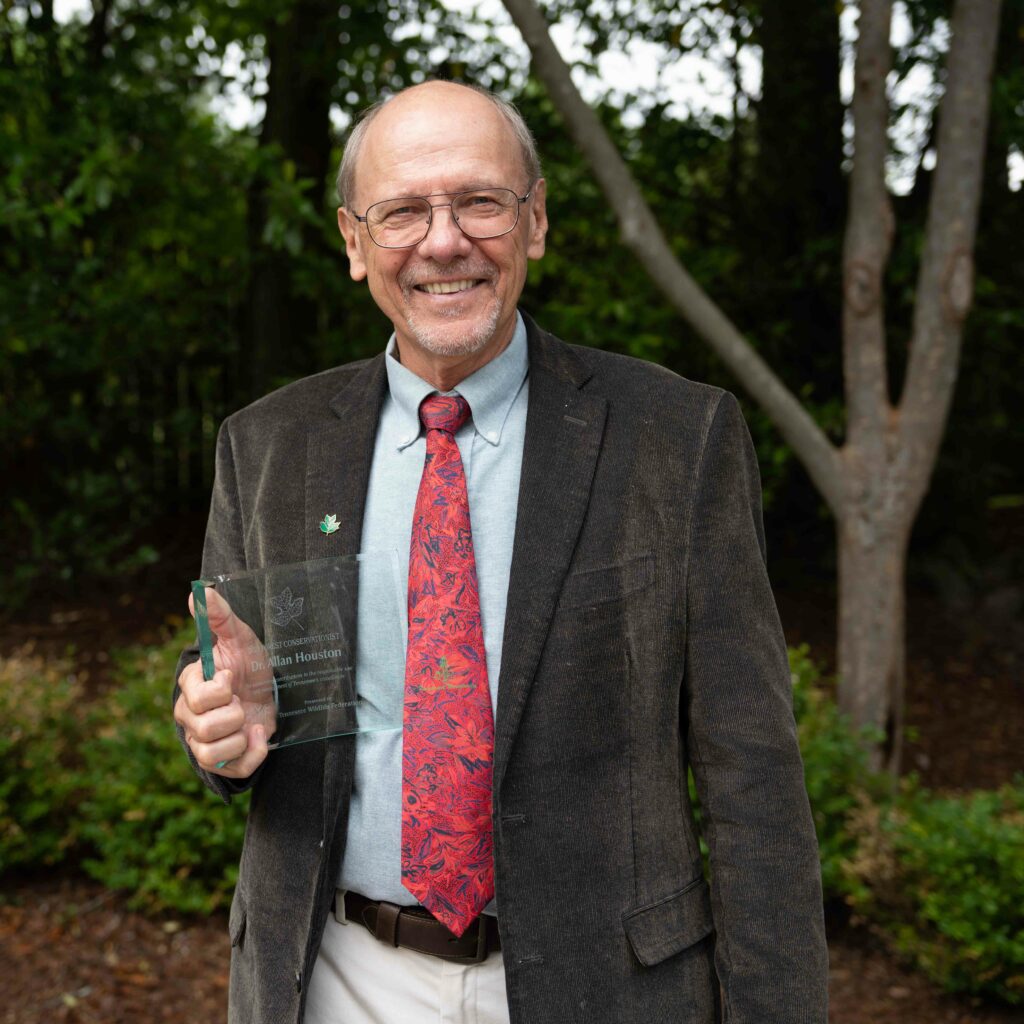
(490, 391)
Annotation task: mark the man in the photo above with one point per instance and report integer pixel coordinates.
(612, 550)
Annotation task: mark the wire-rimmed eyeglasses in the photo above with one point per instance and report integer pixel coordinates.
(479, 213)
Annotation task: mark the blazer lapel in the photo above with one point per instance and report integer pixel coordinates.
(338, 457)
(564, 428)
(339, 453)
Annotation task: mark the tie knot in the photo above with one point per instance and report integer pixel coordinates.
(444, 412)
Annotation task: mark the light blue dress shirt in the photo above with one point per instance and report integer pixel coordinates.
(491, 446)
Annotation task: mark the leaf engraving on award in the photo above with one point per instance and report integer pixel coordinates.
(286, 609)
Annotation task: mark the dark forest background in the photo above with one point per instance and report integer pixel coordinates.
(161, 269)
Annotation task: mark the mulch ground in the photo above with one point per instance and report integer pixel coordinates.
(71, 952)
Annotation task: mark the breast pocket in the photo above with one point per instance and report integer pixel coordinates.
(589, 588)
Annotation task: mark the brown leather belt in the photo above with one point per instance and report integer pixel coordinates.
(417, 929)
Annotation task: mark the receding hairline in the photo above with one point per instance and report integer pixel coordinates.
(346, 177)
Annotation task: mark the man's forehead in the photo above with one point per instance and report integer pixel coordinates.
(439, 131)
(441, 96)
(434, 114)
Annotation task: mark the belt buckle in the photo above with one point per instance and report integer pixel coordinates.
(463, 953)
(481, 943)
(481, 939)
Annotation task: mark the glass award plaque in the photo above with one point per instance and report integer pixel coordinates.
(288, 633)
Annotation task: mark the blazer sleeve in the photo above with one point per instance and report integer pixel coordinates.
(223, 551)
(770, 954)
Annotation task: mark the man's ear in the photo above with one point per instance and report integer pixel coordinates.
(538, 221)
(349, 228)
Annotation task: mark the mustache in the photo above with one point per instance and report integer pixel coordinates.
(430, 270)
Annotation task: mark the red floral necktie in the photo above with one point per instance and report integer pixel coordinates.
(448, 737)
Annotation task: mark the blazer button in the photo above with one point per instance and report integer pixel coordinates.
(298, 981)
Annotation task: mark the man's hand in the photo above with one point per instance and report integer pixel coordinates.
(228, 718)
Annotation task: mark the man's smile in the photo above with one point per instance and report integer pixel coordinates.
(448, 287)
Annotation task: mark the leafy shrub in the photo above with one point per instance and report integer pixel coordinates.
(39, 704)
(155, 830)
(942, 876)
(945, 878)
(835, 769)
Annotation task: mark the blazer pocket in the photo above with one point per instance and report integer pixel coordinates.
(660, 930)
(609, 583)
(236, 920)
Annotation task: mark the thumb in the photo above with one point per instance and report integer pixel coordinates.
(223, 621)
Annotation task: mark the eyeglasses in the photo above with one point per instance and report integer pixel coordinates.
(479, 213)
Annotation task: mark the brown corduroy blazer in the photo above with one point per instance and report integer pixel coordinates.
(641, 638)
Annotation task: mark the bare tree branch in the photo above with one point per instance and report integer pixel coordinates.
(643, 236)
(869, 232)
(945, 285)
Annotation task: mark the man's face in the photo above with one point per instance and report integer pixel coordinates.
(433, 140)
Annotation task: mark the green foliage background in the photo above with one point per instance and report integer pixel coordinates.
(39, 747)
(942, 877)
(105, 783)
(134, 226)
(154, 829)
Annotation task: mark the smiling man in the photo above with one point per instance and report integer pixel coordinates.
(451, 295)
(588, 616)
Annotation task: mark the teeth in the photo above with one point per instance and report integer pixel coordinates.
(446, 287)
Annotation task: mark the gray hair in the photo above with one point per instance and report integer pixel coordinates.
(346, 180)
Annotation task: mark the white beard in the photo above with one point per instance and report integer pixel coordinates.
(455, 338)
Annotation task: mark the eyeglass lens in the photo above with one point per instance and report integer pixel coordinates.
(486, 213)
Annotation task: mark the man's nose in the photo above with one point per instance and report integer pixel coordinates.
(445, 239)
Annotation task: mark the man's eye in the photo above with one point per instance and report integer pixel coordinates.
(399, 212)
(480, 203)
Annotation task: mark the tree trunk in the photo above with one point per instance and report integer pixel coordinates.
(872, 548)
(282, 322)
(99, 33)
(890, 452)
(799, 191)
(800, 123)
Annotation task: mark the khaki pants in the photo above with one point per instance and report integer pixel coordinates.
(360, 980)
